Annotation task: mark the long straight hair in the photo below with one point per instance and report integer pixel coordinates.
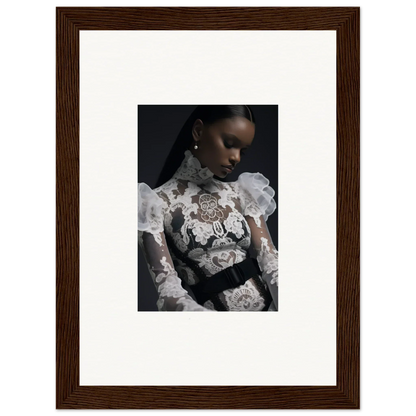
(209, 114)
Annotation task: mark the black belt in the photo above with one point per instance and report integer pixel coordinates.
(228, 278)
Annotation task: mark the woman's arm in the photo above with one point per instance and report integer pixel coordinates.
(266, 254)
(257, 204)
(172, 296)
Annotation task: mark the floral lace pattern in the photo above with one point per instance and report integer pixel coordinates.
(214, 224)
(244, 298)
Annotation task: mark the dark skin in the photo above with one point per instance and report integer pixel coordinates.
(222, 143)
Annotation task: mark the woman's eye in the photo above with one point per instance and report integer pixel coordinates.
(230, 145)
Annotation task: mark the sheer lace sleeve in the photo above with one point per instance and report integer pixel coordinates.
(172, 296)
(258, 204)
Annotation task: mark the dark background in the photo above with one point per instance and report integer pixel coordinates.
(158, 127)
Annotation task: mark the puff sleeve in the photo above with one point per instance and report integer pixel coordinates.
(172, 296)
(257, 203)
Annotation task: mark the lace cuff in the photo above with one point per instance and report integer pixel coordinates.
(260, 195)
(150, 208)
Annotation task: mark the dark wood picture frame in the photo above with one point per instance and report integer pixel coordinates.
(346, 393)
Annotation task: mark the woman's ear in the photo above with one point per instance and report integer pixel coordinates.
(197, 129)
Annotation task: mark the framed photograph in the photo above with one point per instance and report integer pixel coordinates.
(127, 81)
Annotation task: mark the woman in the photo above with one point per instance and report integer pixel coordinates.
(196, 229)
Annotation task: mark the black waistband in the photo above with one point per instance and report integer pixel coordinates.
(228, 278)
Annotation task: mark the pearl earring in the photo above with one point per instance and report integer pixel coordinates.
(196, 146)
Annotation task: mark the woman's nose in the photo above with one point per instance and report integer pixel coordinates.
(235, 157)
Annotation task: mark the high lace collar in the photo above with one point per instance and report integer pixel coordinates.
(191, 170)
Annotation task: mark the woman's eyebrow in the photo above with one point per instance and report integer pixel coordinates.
(236, 138)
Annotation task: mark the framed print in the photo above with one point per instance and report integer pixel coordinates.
(111, 64)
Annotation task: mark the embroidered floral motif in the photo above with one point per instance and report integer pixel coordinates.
(224, 259)
(234, 225)
(209, 207)
(244, 298)
(221, 242)
(202, 231)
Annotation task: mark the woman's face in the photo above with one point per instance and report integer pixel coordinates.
(222, 143)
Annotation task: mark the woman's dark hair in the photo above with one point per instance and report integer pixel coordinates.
(209, 114)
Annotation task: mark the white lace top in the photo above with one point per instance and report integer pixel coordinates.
(214, 224)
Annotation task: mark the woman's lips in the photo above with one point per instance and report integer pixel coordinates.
(228, 170)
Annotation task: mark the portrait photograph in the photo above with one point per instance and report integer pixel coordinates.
(203, 205)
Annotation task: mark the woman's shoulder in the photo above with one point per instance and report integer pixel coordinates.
(151, 207)
(255, 187)
(253, 181)
(160, 191)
